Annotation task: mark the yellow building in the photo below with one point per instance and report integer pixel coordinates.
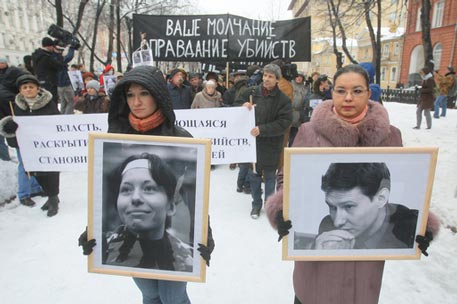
(323, 58)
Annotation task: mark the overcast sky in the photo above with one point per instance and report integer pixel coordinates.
(253, 9)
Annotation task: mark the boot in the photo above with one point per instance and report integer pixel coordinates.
(45, 206)
(27, 202)
(53, 205)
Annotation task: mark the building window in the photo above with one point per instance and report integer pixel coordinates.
(385, 50)
(437, 51)
(396, 48)
(392, 17)
(393, 74)
(383, 74)
(438, 10)
(418, 20)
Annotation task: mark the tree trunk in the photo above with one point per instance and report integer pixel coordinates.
(95, 32)
(82, 6)
(109, 55)
(59, 12)
(377, 63)
(426, 39)
(118, 35)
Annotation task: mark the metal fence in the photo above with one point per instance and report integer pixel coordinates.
(400, 95)
(409, 96)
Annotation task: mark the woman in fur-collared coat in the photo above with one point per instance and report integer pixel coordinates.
(350, 119)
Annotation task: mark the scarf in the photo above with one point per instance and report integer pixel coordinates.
(145, 124)
(355, 120)
(266, 92)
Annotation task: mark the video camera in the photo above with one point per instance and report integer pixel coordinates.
(63, 37)
(289, 71)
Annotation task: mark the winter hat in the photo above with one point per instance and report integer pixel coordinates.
(88, 74)
(195, 75)
(94, 85)
(3, 60)
(26, 78)
(177, 70)
(450, 68)
(47, 42)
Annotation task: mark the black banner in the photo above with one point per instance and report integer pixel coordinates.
(208, 38)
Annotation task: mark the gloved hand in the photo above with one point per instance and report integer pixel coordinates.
(283, 226)
(205, 252)
(424, 241)
(87, 245)
(10, 127)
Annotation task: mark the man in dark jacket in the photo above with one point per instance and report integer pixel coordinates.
(181, 94)
(47, 66)
(273, 117)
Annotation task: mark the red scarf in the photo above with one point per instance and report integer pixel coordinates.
(354, 120)
(145, 124)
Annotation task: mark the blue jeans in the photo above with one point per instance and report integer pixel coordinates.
(440, 102)
(26, 185)
(243, 175)
(162, 292)
(4, 154)
(256, 182)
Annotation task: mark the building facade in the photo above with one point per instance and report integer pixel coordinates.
(443, 34)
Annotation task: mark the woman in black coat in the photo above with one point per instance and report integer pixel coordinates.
(141, 104)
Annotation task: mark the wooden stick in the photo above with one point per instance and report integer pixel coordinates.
(253, 164)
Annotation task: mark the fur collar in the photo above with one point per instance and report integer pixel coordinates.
(371, 131)
(42, 99)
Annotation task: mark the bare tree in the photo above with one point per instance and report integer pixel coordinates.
(99, 10)
(426, 39)
(375, 39)
(336, 13)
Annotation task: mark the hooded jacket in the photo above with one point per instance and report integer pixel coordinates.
(154, 82)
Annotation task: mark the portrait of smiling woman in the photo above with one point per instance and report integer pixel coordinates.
(145, 203)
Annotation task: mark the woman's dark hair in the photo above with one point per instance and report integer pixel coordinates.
(160, 172)
(322, 78)
(353, 68)
(369, 177)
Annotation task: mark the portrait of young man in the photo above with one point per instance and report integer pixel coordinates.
(360, 214)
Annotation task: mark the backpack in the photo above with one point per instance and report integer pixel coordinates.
(453, 91)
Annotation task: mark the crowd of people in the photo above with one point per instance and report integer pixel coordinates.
(291, 109)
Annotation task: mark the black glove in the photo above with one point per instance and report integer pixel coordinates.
(424, 241)
(283, 226)
(10, 127)
(205, 252)
(87, 245)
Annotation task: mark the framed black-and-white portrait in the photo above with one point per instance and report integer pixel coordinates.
(148, 205)
(356, 203)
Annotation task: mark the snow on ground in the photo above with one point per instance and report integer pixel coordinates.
(40, 261)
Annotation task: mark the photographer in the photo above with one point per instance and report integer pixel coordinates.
(64, 88)
(47, 66)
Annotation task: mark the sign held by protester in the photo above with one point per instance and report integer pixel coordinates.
(57, 142)
(228, 128)
(223, 37)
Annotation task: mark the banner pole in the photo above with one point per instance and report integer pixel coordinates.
(227, 75)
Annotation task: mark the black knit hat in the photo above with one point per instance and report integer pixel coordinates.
(26, 78)
(151, 79)
(46, 41)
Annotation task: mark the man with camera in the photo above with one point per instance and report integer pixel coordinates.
(47, 62)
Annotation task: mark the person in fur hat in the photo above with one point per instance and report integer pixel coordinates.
(93, 101)
(349, 119)
(33, 100)
(141, 104)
